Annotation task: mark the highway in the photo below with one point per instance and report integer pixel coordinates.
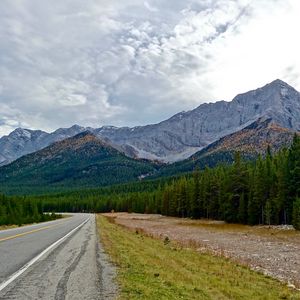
(61, 259)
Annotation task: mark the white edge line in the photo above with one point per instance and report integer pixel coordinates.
(13, 277)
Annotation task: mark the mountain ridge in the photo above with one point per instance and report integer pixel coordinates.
(180, 136)
(250, 142)
(81, 160)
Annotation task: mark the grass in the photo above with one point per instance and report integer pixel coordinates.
(4, 227)
(240, 228)
(154, 269)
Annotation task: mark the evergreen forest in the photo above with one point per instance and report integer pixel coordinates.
(262, 191)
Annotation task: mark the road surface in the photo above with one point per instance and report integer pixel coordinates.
(74, 265)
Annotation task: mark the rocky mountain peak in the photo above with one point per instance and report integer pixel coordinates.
(270, 90)
(278, 83)
(20, 132)
(284, 90)
(87, 137)
(72, 130)
(84, 134)
(181, 135)
(79, 141)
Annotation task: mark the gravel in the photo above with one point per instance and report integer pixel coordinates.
(273, 250)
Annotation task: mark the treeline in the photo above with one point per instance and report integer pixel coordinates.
(266, 191)
(18, 211)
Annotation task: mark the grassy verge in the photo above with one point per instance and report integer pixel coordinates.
(263, 231)
(153, 269)
(3, 227)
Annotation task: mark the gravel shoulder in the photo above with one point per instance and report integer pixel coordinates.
(274, 251)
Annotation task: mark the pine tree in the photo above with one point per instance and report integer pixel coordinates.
(238, 190)
(196, 198)
(268, 212)
(296, 214)
(257, 202)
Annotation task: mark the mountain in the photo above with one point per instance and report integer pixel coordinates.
(250, 142)
(183, 134)
(254, 139)
(23, 141)
(188, 132)
(83, 160)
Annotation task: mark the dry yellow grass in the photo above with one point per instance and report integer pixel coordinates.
(245, 229)
(3, 227)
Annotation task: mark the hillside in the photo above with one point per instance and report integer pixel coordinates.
(81, 161)
(254, 139)
(86, 161)
(24, 141)
(250, 142)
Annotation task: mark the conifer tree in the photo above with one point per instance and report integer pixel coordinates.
(296, 214)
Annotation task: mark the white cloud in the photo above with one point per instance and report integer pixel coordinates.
(135, 62)
(150, 7)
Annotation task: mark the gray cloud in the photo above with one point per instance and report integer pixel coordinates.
(121, 62)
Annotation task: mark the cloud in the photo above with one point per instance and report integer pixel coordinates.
(150, 7)
(135, 62)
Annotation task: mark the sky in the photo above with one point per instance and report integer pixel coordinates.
(135, 62)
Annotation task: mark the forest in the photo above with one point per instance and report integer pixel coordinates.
(19, 211)
(262, 191)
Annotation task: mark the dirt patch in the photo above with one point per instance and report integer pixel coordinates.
(274, 251)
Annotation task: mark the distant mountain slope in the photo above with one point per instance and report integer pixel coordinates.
(24, 141)
(188, 132)
(83, 160)
(250, 142)
(254, 139)
(183, 134)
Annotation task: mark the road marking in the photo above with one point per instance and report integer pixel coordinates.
(24, 233)
(58, 223)
(13, 277)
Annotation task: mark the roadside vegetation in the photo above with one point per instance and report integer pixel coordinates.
(4, 227)
(19, 211)
(265, 191)
(155, 269)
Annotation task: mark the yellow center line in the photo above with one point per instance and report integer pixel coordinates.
(25, 233)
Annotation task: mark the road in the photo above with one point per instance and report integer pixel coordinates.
(74, 266)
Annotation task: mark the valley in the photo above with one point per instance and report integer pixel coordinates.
(219, 198)
(149, 150)
(85, 157)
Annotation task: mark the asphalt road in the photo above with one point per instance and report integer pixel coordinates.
(75, 268)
